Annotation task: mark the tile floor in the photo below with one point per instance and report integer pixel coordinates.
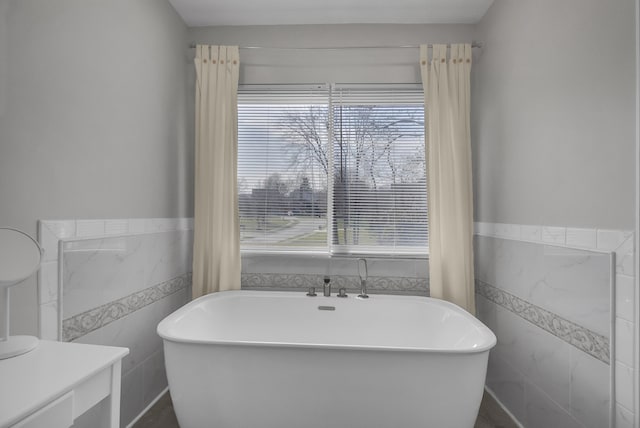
(161, 415)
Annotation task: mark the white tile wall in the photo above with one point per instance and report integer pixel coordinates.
(611, 240)
(624, 385)
(51, 232)
(154, 376)
(85, 228)
(116, 227)
(317, 264)
(135, 331)
(590, 391)
(143, 371)
(581, 238)
(553, 235)
(132, 386)
(542, 412)
(136, 225)
(48, 282)
(550, 277)
(507, 385)
(624, 418)
(624, 348)
(543, 359)
(49, 322)
(105, 260)
(531, 233)
(100, 270)
(97, 271)
(625, 261)
(622, 243)
(624, 297)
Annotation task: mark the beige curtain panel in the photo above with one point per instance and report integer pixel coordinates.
(446, 81)
(216, 241)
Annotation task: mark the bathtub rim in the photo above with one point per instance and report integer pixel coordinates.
(165, 324)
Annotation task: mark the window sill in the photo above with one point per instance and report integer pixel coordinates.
(316, 254)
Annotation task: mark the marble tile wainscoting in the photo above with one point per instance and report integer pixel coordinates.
(299, 271)
(110, 282)
(560, 301)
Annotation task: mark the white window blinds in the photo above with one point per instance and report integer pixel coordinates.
(282, 166)
(379, 185)
(334, 168)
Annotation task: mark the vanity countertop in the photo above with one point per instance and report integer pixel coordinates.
(33, 380)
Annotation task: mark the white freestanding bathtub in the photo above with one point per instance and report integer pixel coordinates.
(254, 359)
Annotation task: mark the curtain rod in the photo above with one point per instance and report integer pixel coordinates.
(430, 46)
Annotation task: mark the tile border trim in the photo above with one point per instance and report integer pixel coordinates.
(621, 242)
(52, 232)
(581, 338)
(302, 282)
(93, 319)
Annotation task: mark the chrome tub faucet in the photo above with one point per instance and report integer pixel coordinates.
(363, 272)
(326, 288)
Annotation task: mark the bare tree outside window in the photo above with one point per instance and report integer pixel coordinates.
(372, 156)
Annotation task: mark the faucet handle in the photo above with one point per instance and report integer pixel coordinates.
(312, 292)
(342, 292)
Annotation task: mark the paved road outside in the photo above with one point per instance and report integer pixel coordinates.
(304, 226)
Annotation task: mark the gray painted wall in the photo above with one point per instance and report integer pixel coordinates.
(93, 117)
(553, 114)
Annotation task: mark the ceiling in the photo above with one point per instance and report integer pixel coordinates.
(198, 13)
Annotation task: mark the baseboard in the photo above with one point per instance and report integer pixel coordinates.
(513, 418)
(164, 391)
(146, 409)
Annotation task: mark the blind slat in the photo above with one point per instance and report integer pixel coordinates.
(373, 165)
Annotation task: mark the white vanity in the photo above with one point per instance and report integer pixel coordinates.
(55, 383)
(46, 384)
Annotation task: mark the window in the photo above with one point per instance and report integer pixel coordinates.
(338, 168)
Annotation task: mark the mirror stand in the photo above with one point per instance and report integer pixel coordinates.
(12, 346)
(20, 257)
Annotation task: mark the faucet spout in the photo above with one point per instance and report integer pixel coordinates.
(363, 272)
(326, 288)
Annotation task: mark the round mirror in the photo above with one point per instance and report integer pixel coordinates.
(19, 256)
